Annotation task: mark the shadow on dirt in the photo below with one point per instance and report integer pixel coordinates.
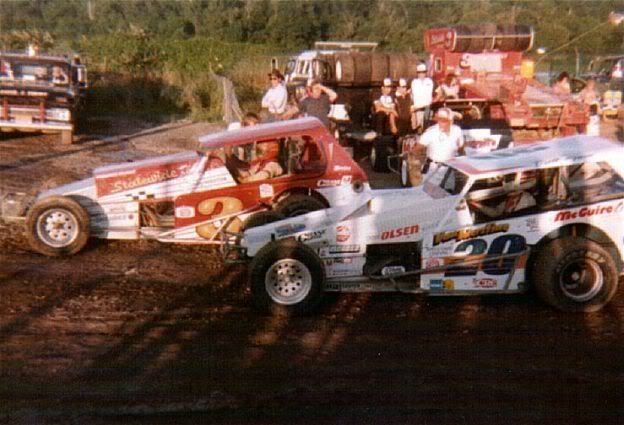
(204, 355)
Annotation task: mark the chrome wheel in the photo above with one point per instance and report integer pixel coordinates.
(581, 279)
(288, 281)
(57, 228)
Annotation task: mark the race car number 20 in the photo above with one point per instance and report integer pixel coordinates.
(502, 245)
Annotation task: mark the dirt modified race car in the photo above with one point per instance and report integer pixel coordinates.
(190, 197)
(548, 215)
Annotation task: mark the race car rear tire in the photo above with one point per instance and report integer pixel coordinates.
(286, 276)
(575, 274)
(261, 218)
(299, 204)
(57, 226)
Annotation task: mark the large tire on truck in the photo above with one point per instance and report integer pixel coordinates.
(345, 68)
(379, 67)
(286, 276)
(575, 274)
(363, 65)
(57, 226)
(299, 204)
(397, 66)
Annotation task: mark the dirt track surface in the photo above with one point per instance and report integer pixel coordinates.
(141, 332)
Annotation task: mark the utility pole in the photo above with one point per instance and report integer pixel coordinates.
(91, 10)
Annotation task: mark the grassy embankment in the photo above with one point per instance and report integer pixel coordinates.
(163, 79)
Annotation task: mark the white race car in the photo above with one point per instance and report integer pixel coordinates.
(548, 215)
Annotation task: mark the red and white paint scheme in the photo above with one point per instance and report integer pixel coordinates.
(497, 83)
(191, 197)
(548, 214)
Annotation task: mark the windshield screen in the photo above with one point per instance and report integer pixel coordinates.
(445, 181)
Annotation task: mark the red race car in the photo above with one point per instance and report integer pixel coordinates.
(290, 167)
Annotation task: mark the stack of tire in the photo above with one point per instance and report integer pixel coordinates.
(365, 69)
(503, 37)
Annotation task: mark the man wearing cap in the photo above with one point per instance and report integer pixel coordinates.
(422, 94)
(318, 102)
(443, 141)
(403, 107)
(385, 112)
(276, 98)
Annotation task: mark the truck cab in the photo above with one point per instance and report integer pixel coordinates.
(41, 92)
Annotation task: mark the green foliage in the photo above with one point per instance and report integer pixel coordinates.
(170, 49)
(21, 39)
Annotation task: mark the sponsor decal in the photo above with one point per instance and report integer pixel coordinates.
(339, 249)
(342, 168)
(185, 212)
(120, 217)
(442, 284)
(463, 234)
(391, 270)
(331, 261)
(142, 177)
(117, 209)
(399, 232)
(346, 179)
(328, 183)
(289, 229)
(589, 212)
(433, 262)
(532, 224)
(484, 283)
(310, 236)
(437, 39)
(343, 233)
(266, 191)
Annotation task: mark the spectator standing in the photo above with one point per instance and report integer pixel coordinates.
(276, 97)
(442, 141)
(403, 106)
(318, 102)
(385, 112)
(422, 94)
(562, 84)
(590, 98)
(588, 95)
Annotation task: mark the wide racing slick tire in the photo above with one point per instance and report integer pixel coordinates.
(286, 276)
(261, 218)
(575, 274)
(299, 204)
(382, 148)
(57, 226)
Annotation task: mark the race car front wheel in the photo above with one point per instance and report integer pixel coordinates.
(57, 226)
(575, 274)
(287, 276)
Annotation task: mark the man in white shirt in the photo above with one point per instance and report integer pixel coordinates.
(422, 93)
(276, 98)
(443, 141)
